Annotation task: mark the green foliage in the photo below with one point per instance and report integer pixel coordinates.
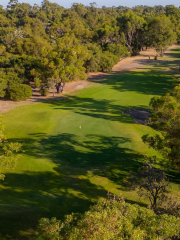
(166, 119)
(161, 34)
(8, 77)
(112, 220)
(104, 60)
(119, 50)
(50, 228)
(170, 206)
(8, 156)
(151, 182)
(19, 92)
(44, 91)
(132, 26)
(3, 84)
(107, 61)
(49, 44)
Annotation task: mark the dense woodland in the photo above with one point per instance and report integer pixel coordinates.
(50, 45)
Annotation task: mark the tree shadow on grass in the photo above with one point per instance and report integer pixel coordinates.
(92, 152)
(163, 65)
(174, 53)
(104, 109)
(144, 82)
(33, 195)
(173, 176)
(77, 181)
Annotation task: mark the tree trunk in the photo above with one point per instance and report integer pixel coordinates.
(53, 90)
(58, 87)
(154, 202)
(62, 84)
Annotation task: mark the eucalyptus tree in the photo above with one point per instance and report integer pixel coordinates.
(132, 26)
(161, 34)
(166, 119)
(63, 63)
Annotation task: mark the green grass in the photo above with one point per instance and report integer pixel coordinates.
(65, 168)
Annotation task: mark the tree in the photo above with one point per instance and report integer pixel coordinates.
(161, 34)
(150, 182)
(117, 49)
(111, 220)
(79, 8)
(132, 26)
(107, 34)
(49, 44)
(62, 64)
(166, 119)
(8, 157)
(3, 83)
(107, 61)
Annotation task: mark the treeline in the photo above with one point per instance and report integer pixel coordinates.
(111, 220)
(50, 45)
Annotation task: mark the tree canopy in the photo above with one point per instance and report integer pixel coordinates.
(111, 220)
(50, 45)
(166, 119)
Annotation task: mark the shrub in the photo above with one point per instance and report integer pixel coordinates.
(111, 220)
(118, 50)
(107, 61)
(19, 92)
(44, 91)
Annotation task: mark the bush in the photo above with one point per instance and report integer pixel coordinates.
(111, 220)
(92, 65)
(103, 61)
(19, 92)
(44, 91)
(107, 61)
(118, 50)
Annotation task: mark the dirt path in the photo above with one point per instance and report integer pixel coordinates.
(127, 64)
(132, 63)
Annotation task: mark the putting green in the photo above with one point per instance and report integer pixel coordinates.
(77, 149)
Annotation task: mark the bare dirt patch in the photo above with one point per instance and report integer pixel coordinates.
(139, 116)
(135, 62)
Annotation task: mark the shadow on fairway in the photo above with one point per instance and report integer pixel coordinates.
(144, 82)
(162, 65)
(104, 109)
(174, 53)
(27, 197)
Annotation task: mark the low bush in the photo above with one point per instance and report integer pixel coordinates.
(19, 92)
(44, 91)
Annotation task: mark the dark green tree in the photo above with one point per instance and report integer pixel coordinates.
(166, 119)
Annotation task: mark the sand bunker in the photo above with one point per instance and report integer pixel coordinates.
(139, 116)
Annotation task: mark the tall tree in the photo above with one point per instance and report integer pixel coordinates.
(161, 33)
(132, 26)
(151, 182)
(166, 119)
